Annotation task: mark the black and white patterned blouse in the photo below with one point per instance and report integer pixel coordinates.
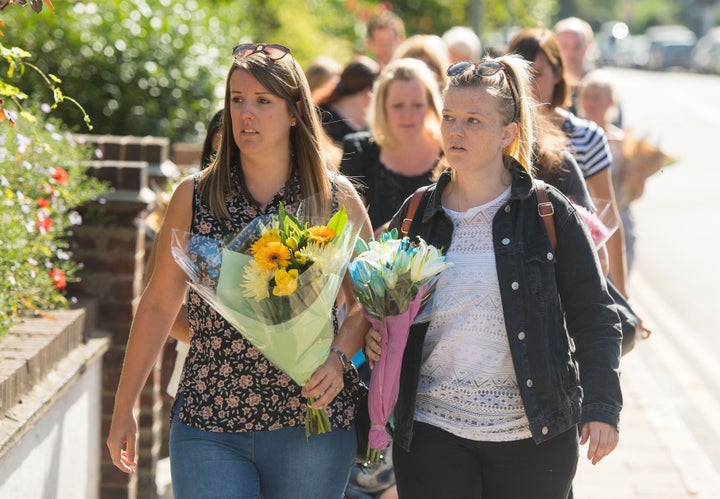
(227, 385)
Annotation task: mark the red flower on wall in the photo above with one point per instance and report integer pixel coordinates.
(58, 279)
(44, 224)
(43, 203)
(7, 114)
(60, 175)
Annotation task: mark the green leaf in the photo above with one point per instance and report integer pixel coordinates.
(11, 90)
(360, 245)
(338, 220)
(287, 222)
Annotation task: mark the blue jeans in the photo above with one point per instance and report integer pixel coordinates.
(274, 464)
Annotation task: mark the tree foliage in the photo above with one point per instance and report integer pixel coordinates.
(157, 67)
(139, 68)
(147, 67)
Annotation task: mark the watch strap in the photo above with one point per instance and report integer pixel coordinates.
(343, 358)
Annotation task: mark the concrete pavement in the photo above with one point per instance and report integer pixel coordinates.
(659, 455)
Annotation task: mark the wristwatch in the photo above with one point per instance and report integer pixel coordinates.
(343, 358)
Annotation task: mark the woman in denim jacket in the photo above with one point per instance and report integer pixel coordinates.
(522, 356)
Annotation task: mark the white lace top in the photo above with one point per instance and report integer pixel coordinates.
(467, 380)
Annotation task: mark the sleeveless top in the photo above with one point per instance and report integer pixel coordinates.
(227, 385)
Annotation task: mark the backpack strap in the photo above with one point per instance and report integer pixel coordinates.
(546, 211)
(412, 208)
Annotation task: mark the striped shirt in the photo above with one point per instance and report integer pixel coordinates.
(588, 144)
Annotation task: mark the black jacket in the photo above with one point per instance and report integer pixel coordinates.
(560, 324)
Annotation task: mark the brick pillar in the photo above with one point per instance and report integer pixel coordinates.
(111, 245)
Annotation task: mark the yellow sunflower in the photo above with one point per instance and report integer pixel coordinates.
(273, 255)
(271, 236)
(321, 234)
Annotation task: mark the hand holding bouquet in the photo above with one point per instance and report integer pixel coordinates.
(393, 280)
(276, 282)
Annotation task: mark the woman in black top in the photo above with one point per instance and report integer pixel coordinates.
(402, 149)
(345, 110)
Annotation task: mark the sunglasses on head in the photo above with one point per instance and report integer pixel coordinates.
(273, 51)
(483, 69)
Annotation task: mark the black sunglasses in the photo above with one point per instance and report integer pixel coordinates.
(272, 51)
(482, 69)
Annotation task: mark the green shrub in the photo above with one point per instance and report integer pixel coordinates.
(41, 183)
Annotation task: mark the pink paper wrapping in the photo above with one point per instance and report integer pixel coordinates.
(385, 376)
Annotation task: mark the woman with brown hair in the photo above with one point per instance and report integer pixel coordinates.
(238, 421)
(345, 110)
(588, 143)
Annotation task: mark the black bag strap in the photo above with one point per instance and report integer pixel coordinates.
(412, 208)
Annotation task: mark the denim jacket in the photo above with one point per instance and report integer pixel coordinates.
(558, 316)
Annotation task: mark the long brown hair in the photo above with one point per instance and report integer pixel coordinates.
(550, 149)
(284, 78)
(529, 43)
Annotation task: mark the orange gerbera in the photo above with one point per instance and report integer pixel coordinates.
(321, 234)
(273, 255)
(271, 236)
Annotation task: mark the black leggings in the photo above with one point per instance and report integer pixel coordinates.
(442, 465)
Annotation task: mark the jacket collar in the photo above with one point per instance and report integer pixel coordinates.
(522, 187)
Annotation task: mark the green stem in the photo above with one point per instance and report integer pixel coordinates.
(316, 420)
(372, 456)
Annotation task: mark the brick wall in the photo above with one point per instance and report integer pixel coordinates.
(186, 155)
(112, 245)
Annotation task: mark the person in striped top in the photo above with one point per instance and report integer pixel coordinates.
(588, 142)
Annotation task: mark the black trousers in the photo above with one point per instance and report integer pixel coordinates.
(441, 465)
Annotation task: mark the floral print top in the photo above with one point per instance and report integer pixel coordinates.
(227, 385)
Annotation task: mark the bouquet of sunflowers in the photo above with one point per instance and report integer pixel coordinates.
(276, 283)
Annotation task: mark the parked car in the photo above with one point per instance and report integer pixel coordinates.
(632, 51)
(706, 54)
(670, 46)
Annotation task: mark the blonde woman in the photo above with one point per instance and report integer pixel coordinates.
(493, 394)
(402, 149)
(431, 49)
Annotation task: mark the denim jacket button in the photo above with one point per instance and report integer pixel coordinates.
(521, 335)
(550, 255)
(507, 208)
(506, 241)
(515, 286)
(529, 383)
(545, 430)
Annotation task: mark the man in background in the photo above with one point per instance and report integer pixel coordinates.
(385, 32)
